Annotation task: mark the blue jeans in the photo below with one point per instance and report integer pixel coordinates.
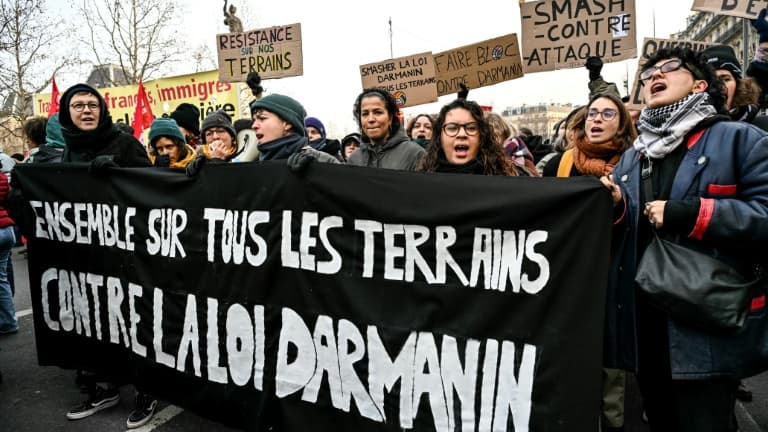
(8, 323)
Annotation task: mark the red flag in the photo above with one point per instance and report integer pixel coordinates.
(142, 115)
(53, 108)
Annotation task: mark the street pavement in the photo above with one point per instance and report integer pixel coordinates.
(35, 398)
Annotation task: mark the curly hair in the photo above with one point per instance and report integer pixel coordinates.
(491, 155)
(412, 122)
(697, 64)
(626, 133)
(389, 102)
(747, 93)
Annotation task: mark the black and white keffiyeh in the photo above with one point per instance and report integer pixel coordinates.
(662, 129)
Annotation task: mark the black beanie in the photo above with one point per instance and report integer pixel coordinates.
(723, 57)
(188, 117)
(218, 119)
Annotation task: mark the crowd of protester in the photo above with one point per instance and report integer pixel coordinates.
(700, 106)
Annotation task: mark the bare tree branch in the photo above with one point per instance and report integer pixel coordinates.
(26, 40)
(134, 34)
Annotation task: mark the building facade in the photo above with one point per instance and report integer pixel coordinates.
(720, 29)
(540, 119)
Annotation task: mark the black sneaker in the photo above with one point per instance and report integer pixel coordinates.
(145, 409)
(100, 399)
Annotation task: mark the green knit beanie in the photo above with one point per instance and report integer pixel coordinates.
(164, 127)
(285, 107)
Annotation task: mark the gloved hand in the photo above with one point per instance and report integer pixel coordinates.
(299, 162)
(163, 161)
(194, 167)
(761, 26)
(100, 165)
(464, 92)
(594, 66)
(254, 82)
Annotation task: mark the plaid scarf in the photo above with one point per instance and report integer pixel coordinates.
(663, 129)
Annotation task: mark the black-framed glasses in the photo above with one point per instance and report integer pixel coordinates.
(452, 129)
(667, 67)
(79, 106)
(607, 114)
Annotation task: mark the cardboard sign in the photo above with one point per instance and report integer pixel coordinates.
(410, 79)
(479, 65)
(203, 89)
(273, 52)
(739, 8)
(650, 46)
(561, 34)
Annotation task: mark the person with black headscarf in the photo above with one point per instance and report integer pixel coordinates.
(90, 134)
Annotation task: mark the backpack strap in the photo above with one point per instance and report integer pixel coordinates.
(566, 164)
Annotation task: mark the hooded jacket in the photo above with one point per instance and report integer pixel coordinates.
(397, 153)
(106, 139)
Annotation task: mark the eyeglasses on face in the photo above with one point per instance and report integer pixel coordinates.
(452, 129)
(607, 114)
(667, 67)
(79, 106)
(218, 131)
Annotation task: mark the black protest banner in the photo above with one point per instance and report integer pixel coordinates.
(478, 65)
(410, 79)
(650, 46)
(348, 298)
(273, 52)
(740, 8)
(562, 34)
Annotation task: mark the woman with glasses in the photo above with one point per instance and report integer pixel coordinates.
(605, 131)
(465, 144)
(219, 138)
(700, 180)
(385, 144)
(608, 132)
(91, 136)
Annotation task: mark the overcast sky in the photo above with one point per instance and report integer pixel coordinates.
(339, 36)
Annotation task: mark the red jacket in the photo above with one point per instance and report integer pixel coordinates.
(5, 189)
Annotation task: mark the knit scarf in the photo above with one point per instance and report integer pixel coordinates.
(596, 159)
(662, 129)
(281, 148)
(472, 167)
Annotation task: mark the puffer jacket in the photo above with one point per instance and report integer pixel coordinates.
(397, 153)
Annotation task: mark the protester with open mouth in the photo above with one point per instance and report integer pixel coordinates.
(608, 132)
(419, 129)
(699, 180)
(465, 144)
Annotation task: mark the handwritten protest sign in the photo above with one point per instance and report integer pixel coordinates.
(204, 90)
(478, 65)
(410, 79)
(273, 52)
(650, 46)
(739, 8)
(560, 34)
